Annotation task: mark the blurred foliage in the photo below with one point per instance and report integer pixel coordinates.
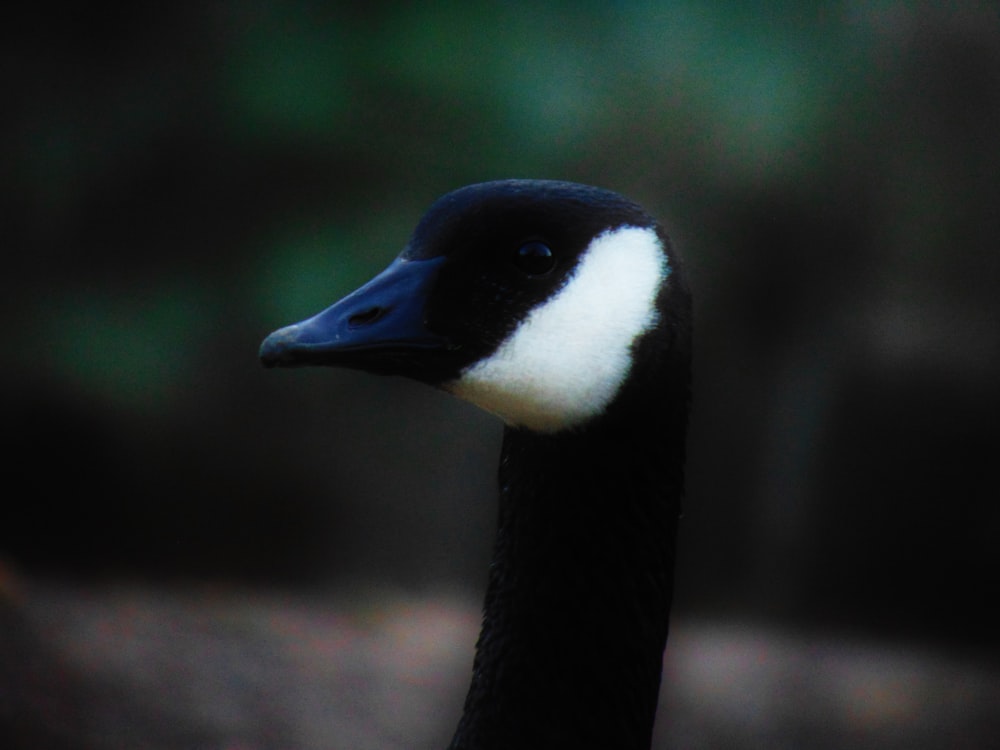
(179, 180)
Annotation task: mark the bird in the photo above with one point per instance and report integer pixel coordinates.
(563, 309)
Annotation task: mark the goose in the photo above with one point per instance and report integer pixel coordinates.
(561, 308)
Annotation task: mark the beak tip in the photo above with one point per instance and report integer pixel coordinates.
(275, 349)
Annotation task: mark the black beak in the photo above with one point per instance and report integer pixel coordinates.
(380, 328)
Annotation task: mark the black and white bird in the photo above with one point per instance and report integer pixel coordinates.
(562, 309)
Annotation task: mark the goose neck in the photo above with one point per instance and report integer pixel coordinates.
(577, 607)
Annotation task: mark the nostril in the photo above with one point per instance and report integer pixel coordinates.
(366, 317)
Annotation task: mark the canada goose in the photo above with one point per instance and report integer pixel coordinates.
(561, 308)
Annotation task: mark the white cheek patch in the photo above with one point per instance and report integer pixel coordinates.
(566, 361)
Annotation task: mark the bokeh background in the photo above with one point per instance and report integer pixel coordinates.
(177, 181)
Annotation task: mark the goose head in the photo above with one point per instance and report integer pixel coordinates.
(535, 300)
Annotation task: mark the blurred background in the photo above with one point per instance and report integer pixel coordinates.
(198, 553)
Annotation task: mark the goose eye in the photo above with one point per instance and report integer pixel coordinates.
(535, 258)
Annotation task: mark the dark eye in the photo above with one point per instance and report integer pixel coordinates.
(535, 258)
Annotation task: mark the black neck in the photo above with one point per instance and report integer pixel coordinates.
(576, 613)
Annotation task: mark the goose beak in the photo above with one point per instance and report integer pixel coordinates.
(379, 328)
